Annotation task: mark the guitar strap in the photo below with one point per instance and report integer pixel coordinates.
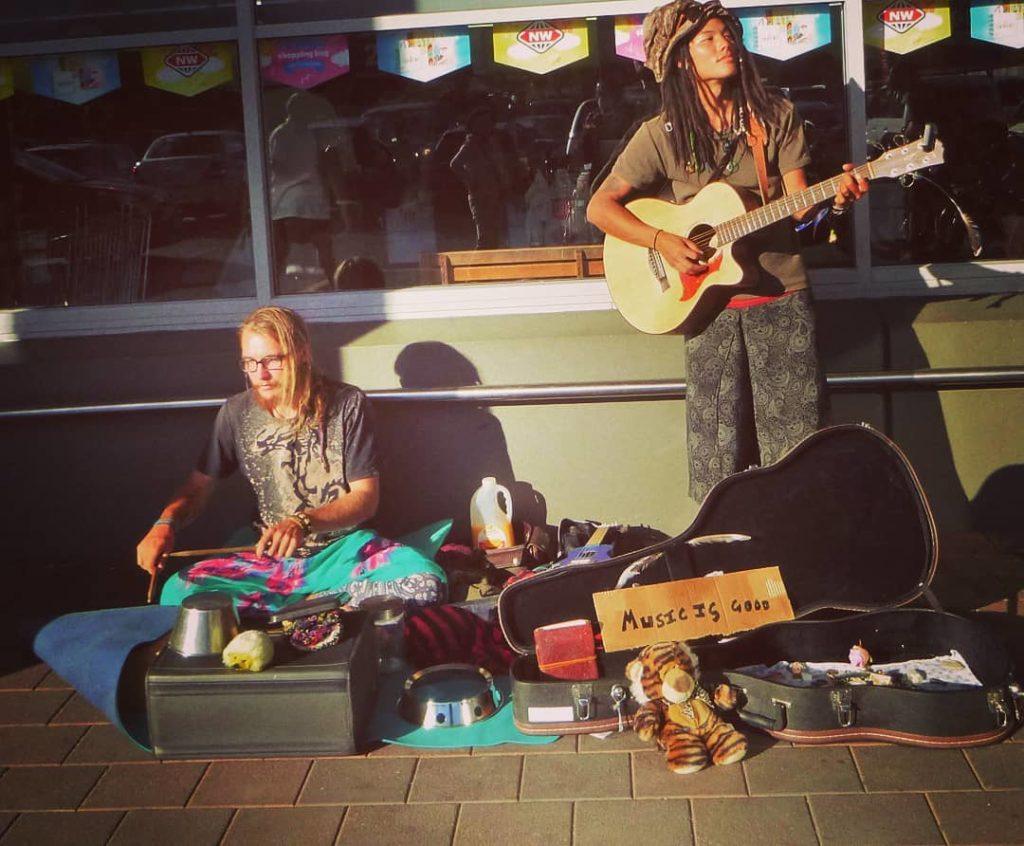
(757, 138)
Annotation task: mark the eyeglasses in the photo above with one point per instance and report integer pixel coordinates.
(271, 362)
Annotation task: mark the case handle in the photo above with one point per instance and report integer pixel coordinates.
(842, 704)
(764, 721)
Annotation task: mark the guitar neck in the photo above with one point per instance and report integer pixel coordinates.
(773, 212)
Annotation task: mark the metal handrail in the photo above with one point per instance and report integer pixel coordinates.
(948, 379)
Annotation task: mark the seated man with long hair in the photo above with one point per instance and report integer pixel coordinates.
(305, 443)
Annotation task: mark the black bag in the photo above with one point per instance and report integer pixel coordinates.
(845, 519)
(306, 703)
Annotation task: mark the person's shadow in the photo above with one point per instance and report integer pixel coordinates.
(434, 455)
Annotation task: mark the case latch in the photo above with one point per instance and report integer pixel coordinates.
(842, 704)
(582, 696)
(997, 705)
(618, 693)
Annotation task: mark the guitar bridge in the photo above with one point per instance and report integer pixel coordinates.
(657, 265)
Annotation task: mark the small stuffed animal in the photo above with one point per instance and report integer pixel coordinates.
(680, 713)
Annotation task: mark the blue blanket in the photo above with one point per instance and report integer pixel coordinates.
(89, 650)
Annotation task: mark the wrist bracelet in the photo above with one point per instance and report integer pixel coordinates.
(838, 211)
(165, 521)
(302, 518)
(654, 243)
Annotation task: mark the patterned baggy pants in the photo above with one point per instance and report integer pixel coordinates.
(754, 388)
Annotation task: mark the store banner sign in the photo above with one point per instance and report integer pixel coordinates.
(304, 62)
(6, 79)
(424, 54)
(785, 32)
(1000, 23)
(76, 77)
(629, 37)
(541, 46)
(902, 26)
(188, 69)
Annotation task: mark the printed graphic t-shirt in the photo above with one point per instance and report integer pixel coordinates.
(286, 469)
(648, 165)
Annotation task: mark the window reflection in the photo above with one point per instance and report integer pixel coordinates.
(972, 91)
(124, 178)
(376, 171)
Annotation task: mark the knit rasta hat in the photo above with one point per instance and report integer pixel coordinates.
(667, 25)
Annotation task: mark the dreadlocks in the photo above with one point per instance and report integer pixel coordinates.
(692, 138)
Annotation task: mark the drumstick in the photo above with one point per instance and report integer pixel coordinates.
(192, 553)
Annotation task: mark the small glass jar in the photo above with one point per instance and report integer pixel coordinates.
(388, 616)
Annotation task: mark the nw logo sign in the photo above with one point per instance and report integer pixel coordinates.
(540, 36)
(186, 61)
(901, 16)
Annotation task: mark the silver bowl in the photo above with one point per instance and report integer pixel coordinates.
(206, 624)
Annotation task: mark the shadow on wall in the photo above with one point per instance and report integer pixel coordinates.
(435, 454)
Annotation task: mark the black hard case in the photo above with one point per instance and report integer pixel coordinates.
(844, 517)
(313, 703)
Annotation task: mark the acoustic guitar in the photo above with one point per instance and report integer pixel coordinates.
(655, 298)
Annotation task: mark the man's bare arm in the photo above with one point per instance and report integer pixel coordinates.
(607, 211)
(185, 506)
(349, 510)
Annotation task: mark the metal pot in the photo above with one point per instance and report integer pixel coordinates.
(206, 624)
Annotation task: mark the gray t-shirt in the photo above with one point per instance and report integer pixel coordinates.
(648, 164)
(286, 469)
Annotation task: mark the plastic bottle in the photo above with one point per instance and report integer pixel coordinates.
(490, 524)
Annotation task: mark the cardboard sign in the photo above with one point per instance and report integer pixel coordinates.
(691, 608)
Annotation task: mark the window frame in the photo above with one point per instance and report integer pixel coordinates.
(861, 281)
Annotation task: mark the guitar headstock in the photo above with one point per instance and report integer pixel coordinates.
(926, 152)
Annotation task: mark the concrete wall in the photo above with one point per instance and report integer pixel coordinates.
(81, 490)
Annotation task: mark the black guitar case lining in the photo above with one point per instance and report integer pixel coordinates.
(845, 519)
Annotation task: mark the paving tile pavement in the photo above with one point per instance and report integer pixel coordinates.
(481, 779)
(345, 781)
(239, 783)
(577, 777)
(759, 819)
(879, 818)
(315, 826)
(980, 817)
(191, 826)
(401, 825)
(157, 785)
(23, 707)
(107, 744)
(657, 822)
(46, 788)
(891, 768)
(37, 744)
(78, 711)
(811, 770)
(72, 828)
(25, 678)
(517, 824)
(1000, 766)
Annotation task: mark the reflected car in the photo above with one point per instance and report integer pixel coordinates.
(202, 174)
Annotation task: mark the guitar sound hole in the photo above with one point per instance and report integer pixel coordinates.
(703, 234)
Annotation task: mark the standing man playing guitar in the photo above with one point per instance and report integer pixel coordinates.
(754, 383)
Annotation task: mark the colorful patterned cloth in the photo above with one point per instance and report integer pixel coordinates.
(358, 565)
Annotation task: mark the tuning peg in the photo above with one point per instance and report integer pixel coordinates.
(928, 136)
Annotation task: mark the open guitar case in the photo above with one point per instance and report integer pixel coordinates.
(844, 517)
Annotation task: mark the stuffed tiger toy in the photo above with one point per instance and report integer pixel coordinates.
(680, 713)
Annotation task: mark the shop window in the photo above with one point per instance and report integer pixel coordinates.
(392, 155)
(123, 177)
(957, 65)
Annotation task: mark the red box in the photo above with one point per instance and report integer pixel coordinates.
(566, 650)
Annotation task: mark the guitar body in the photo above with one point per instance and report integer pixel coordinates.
(649, 293)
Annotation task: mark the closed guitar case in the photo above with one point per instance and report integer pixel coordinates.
(845, 519)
